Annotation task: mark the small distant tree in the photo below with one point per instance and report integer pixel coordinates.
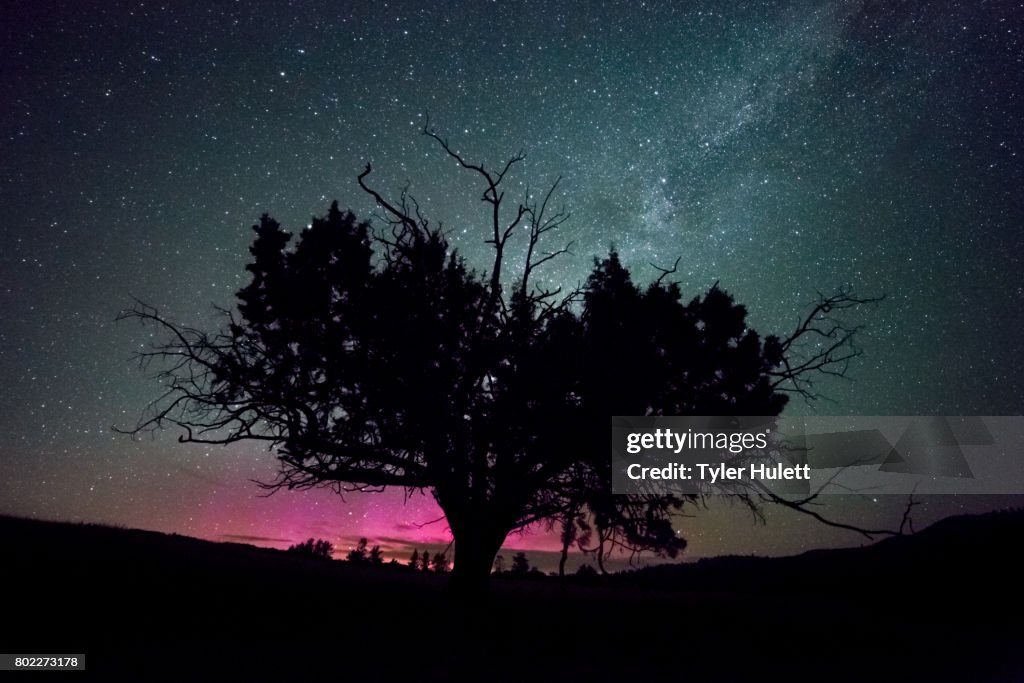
(321, 548)
(414, 561)
(586, 573)
(520, 564)
(439, 564)
(304, 548)
(425, 560)
(376, 555)
(499, 564)
(358, 554)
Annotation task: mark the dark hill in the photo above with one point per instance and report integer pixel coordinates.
(941, 605)
(958, 557)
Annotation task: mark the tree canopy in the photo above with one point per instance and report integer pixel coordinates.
(375, 357)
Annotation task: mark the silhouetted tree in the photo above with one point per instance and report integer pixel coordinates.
(376, 555)
(358, 554)
(573, 529)
(520, 564)
(425, 560)
(499, 564)
(313, 548)
(440, 564)
(323, 548)
(373, 361)
(414, 561)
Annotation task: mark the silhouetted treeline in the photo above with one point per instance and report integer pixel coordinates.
(437, 563)
(321, 548)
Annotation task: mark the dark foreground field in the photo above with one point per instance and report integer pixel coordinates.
(944, 605)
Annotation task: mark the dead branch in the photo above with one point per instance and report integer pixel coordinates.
(821, 344)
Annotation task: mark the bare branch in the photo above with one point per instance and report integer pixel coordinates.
(500, 233)
(665, 272)
(395, 212)
(821, 344)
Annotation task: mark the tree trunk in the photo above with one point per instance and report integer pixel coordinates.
(476, 545)
(567, 538)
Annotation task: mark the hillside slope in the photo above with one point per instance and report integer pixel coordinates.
(943, 605)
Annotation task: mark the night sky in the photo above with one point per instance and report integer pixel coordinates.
(778, 148)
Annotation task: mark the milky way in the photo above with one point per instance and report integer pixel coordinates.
(776, 148)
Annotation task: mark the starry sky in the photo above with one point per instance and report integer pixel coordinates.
(778, 148)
